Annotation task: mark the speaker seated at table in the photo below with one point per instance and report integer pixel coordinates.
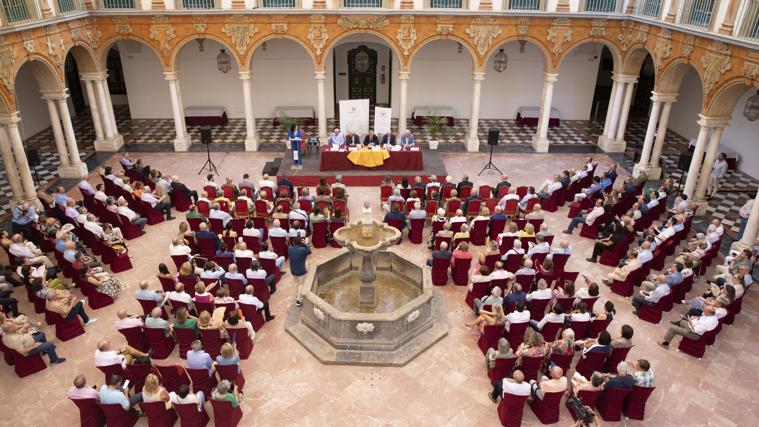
(351, 139)
(388, 139)
(371, 138)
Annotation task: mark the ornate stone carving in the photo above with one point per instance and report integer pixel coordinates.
(663, 47)
(76, 34)
(279, 27)
(716, 61)
(751, 70)
(162, 32)
(51, 29)
(318, 314)
(688, 42)
(317, 33)
(406, 34)
(523, 24)
(365, 327)
(55, 49)
(625, 36)
(483, 30)
(28, 41)
(444, 25)
(92, 35)
(558, 35)
(412, 316)
(351, 22)
(240, 33)
(124, 29)
(7, 59)
(200, 24)
(598, 27)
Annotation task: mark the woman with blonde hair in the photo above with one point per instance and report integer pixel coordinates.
(529, 231)
(493, 317)
(208, 322)
(228, 356)
(187, 270)
(182, 319)
(153, 391)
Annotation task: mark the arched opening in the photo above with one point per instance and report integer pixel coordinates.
(440, 83)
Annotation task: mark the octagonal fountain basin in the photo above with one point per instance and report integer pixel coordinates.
(339, 324)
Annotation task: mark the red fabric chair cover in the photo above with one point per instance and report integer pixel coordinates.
(609, 404)
(178, 261)
(253, 316)
(158, 415)
(207, 247)
(589, 398)
(502, 368)
(590, 363)
(135, 338)
(513, 262)
(531, 366)
(95, 299)
(654, 314)
(440, 271)
(270, 266)
(224, 415)
(216, 225)
(185, 337)
(547, 410)
(439, 241)
(279, 246)
(180, 201)
(473, 207)
(65, 329)
(515, 335)
(416, 230)
(129, 230)
(589, 231)
(510, 410)
(211, 341)
(485, 191)
(479, 290)
(431, 207)
(172, 376)
(626, 287)
(538, 308)
(231, 374)
(596, 326)
(190, 416)
(562, 360)
(27, 365)
(153, 216)
(695, 348)
(385, 192)
(634, 406)
(565, 303)
(118, 262)
(580, 328)
(161, 345)
(243, 342)
(201, 381)
(490, 336)
(617, 355)
(550, 330)
(398, 225)
(90, 414)
(479, 232)
(460, 272)
(110, 370)
(495, 227)
(319, 234)
(116, 416)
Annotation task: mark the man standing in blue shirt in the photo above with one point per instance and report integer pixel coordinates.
(23, 217)
(298, 253)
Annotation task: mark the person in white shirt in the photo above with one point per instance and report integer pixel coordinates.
(184, 396)
(28, 250)
(178, 294)
(124, 355)
(526, 268)
(250, 230)
(163, 204)
(588, 218)
(267, 182)
(217, 213)
(212, 271)
(249, 298)
(589, 164)
(515, 250)
(499, 273)
(300, 215)
(718, 172)
(718, 228)
(433, 183)
(512, 195)
(179, 248)
(93, 226)
(126, 321)
(549, 186)
(459, 217)
(651, 298)
(580, 313)
(211, 183)
(556, 315)
(540, 247)
(519, 315)
(692, 327)
(86, 186)
(336, 139)
(276, 230)
(242, 251)
(744, 213)
(133, 217)
(563, 248)
(644, 253)
(543, 291)
(516, 385)
(99, 194)
(266, 253)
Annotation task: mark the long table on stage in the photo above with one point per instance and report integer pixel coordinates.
(333, 160)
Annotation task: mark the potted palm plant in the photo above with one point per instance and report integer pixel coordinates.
(436, 127)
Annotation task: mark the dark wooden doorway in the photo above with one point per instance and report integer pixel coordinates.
(362, 74)
(74, 85)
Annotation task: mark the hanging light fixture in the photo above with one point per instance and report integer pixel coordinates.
(201, 48)
(751, 111)
(459, 48)
(224, 61)
(500, 61)
(263, 46)
(522, 43)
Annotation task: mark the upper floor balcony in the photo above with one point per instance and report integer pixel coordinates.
(731, 18)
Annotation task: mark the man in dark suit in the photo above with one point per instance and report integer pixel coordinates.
(371, 138)
(504, 183)
(204, 232)
(465, 182)
(286, 182)
(388, 138)
(442, 253)
(352, 139)
(178, 186)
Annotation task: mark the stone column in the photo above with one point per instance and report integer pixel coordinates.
(698, 156)
(728, 23)
(60, 143)
(540, 139)
(107, 128)
(473, 143)
(17, 145)
(109, 103)
(182, 141)
(648, 142)
(321, 103)
(251, 142)
(95, 111)
(619, 96)
(77, 169)
(609, 110)
(654, 170)
(403, 77)
(752, 228)
(99, 97)
(17, 192)
(706, 169)
(622, 125)
(672, 12)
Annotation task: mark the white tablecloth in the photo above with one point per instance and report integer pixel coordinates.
(293, 111)
(428, 111)
(534, 112)
(204, 111)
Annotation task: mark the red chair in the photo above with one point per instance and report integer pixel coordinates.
(319, 234)
(617, 355)
(224, 415)
(95, 299)
(416, 230)
(116, 416)
(565, 303)
(279, 246)
(137, 374)
(243, 342)
(634, 406)
(550, 330)
(129, 230)
(431, 207)
(385, 192)
(232, 374)
(211, 341)
(90, 414)
(479, 290)
(538, 308)
(398, 225)
(185, 337)
(161, 345)
(502, 368)
(510, 410)
(473, 208)
(201, 381)
(158, 415)
(531, 367)
(135, 338)
(495, 227)
(654, 313)
(562, 360)
(479, 232)
(207, 247)
(591, 362)
(460, 272)
(490, 336)
(65, 329)
(580, 329)
(27, 365)
(588, 398)
(547, 410)
(695, 348)
(626, 287)
(440, 271)
(597, 326)
(485, 191)
(153, 216)
(117, 262)
(515, 334)
(191, 416)
(253, 316)
(609, 404)
(173, 376)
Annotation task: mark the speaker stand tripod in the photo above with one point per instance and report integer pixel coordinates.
(209, 164)
(490, 166)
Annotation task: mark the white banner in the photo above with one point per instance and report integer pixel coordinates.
(354, 116)
(382, 117)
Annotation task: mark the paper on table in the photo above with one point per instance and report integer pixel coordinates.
(414, 148)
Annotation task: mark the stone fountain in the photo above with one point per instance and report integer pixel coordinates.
(368, 303)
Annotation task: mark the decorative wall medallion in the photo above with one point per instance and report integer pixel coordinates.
(751, 70)
(7, 58)
(279, 27)
(663, 47)
(406, 34)
(598, 27)
(625, 36)
(240, 34)
(560, 21)
(200, 24)
(444, 25)
(350, 22)
(688, 42)
(716, 62)
(412, 316)
(483, 30)
(92, 35)
(318, 314)
(162, 32)
(51, 29)
(522, 25)
(558, 35)
(76, 34)
(29, 45)
(55, 49)
(317, 33)
(365, 327)
(124, 29)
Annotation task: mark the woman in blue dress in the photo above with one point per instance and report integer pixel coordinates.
(296, 143)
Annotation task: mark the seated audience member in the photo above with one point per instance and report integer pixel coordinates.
(528, 231)
(176, 185)
(502, 352)
(144, 293)
(153, 391)
(557, 383)
(516, 385)
(162, 204)
(556, 315)
(184, 396)
(533, 346)
(499, 273)
(204, 233)
(519, 315)
(543, 292)
(461, 253)
(580, 383)
(234, 321)
(588, 218)
(565, 345)
(651, 298)
(515, 250)
(580, 313)
(127, 321)
(114, 393)
(228, 356)
(591, 291)
(179, 295)
(633, 263)
(197, 358)
(537, 213)
(526, 268)
(183, 320)
(527, 197)
(123, 355)
(607, 242)
(625, 338)
(226, 391)
(249, 298)
(154, 320)
(642, 373)
(20, 339)
(67, 305)
(80, 390)
(602, 344)
(608, 312)
(395, 214)
(516, 295)
(265, 253)
(621, 380)
(493, 317)
(442, 253)
(193, 213)
(692, 327)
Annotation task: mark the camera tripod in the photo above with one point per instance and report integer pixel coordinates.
(209, 164)
(490, 166)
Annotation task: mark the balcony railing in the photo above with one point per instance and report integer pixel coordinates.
(696, 12)
(363, 3)
(749, 23)
(524, 5)
(68, 6)
(120, 4)
(278, 3)
(446, 4)
(650, 8)
(199, 4)
(606, 6)
(18, 11)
